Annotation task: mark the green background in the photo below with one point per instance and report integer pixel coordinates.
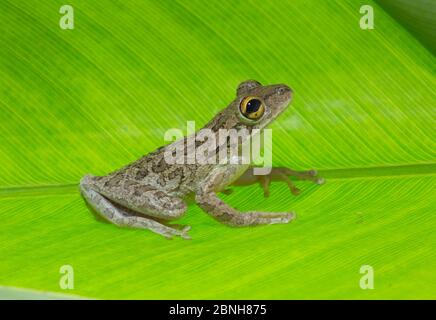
(92, 99)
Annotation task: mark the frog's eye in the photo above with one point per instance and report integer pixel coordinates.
(252, 108)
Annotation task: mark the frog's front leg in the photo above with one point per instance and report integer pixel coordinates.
(278, 174)
(122, 216)
(207, 199)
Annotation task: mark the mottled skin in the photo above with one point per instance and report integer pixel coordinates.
(149, 192)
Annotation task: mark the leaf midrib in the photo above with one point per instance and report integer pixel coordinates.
(330, 174)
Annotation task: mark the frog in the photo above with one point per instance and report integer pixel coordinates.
(150, 193)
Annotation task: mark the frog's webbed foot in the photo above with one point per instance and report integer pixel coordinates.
(180, 230)
(279, 174)
(177, 232)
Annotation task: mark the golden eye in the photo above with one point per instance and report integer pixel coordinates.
(252, 108)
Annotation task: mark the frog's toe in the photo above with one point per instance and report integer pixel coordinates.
(295, 191)
(177, 231)
(319, 180)
(312, 172)
(311, 175)
(290, 216)
(184, 233)
(265, 182)
(315, 178)
(186, 228)
(281, 176)
(285, 217)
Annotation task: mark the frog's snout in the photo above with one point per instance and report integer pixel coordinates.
(283, 89)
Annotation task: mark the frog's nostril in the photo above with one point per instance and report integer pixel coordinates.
(283, 90)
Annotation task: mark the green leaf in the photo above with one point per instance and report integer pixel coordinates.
(92, 99)
(416, 16)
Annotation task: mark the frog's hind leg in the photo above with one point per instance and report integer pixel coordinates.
(139, 197)
(124, 217)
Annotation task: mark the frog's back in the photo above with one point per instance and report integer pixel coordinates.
(154, 171)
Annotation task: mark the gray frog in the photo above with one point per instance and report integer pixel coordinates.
(149, 192)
